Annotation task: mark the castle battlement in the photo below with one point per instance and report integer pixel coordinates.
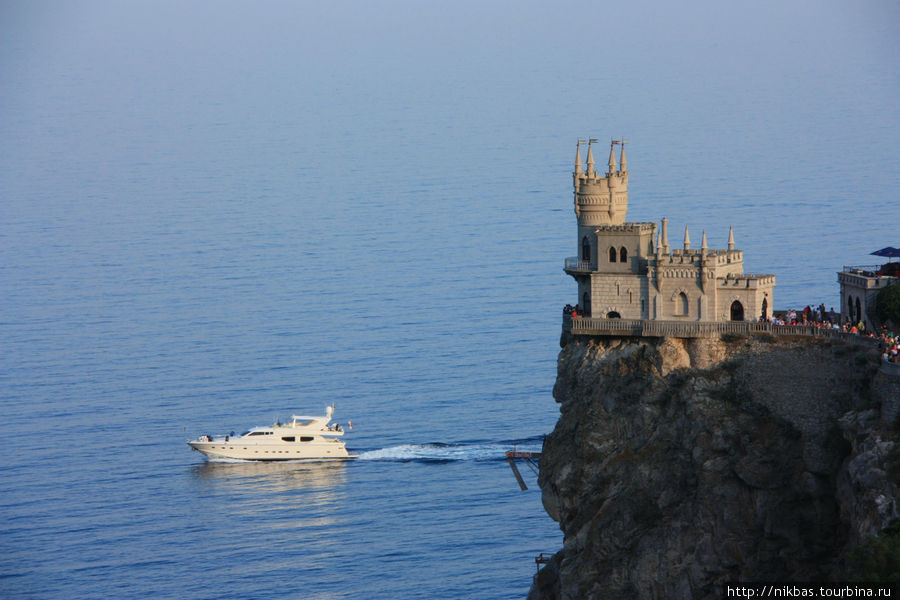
(629, 271)
(629, 228)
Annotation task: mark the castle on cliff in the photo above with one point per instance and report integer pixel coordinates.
(629, 271)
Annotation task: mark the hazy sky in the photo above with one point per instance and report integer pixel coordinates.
(87, 88)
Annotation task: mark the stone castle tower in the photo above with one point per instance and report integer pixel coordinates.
(627, 270)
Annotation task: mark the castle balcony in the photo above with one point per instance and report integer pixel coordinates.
(576, 266)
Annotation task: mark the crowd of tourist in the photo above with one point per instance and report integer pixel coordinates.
(890, 341)
(817, 317)
(890, 346)
(572, 311)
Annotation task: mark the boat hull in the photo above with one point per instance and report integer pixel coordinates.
(238, 449)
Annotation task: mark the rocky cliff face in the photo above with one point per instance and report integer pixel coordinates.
(678, 465)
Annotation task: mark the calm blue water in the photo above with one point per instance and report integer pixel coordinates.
(212, 215)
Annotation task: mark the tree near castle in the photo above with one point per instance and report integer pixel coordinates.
(887, 303)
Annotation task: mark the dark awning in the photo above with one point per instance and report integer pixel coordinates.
(888, 251)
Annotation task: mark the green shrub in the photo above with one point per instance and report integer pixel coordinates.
(878, 559)
(766, 337)
(887, 304)
(731, 337)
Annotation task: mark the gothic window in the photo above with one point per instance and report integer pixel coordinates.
(737, 311)
(858, 311)
(765, 309)
(613, 315)
(585, 249)
(612, 255)
(586, 304)
(681, 304)
(623, 254)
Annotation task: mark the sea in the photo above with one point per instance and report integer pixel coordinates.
(214, 214)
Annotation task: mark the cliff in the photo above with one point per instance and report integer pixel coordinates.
(678, 465)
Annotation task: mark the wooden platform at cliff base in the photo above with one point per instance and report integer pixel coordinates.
(530, 459)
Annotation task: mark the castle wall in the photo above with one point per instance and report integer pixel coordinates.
(751, 293)
(621, 294)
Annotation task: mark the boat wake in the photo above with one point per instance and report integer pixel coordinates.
(462, 451)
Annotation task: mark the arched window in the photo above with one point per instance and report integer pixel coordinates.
(623, 254)
(737, 311)
(612, 255)
(613, 315)
(858, 312)
(765, 309)
(586, 304)
(585, 249)
(681, 304)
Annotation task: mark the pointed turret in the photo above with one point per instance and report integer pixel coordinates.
(687, 239)
(665, 235)
(658, 247)
(731, 237)
(590, 162)
(703, 247)
(623, 165)
(578, 159)
(612, 158)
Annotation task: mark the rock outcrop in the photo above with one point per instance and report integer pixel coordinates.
(679, 465)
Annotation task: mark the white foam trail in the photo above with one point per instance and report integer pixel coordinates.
(490, 451)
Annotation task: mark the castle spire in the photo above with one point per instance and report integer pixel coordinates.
(665, 235)
(687, 239)
(622, 164)
(703, 247)
(578, 158)
(731, 237)
(612, 157)
(590, 161)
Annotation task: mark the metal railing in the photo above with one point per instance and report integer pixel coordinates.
(700, 329)
(576, 264)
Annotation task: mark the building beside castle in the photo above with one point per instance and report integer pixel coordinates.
(860, 286)
(629, 271)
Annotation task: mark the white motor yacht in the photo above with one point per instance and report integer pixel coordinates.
(301, 438)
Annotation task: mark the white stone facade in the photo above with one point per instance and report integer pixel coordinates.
(627, 270)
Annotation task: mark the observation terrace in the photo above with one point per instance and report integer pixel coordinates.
(593, 326)
(870, 277)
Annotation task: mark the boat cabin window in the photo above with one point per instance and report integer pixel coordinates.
(288, 438)
(260, 433)
(306, 438)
